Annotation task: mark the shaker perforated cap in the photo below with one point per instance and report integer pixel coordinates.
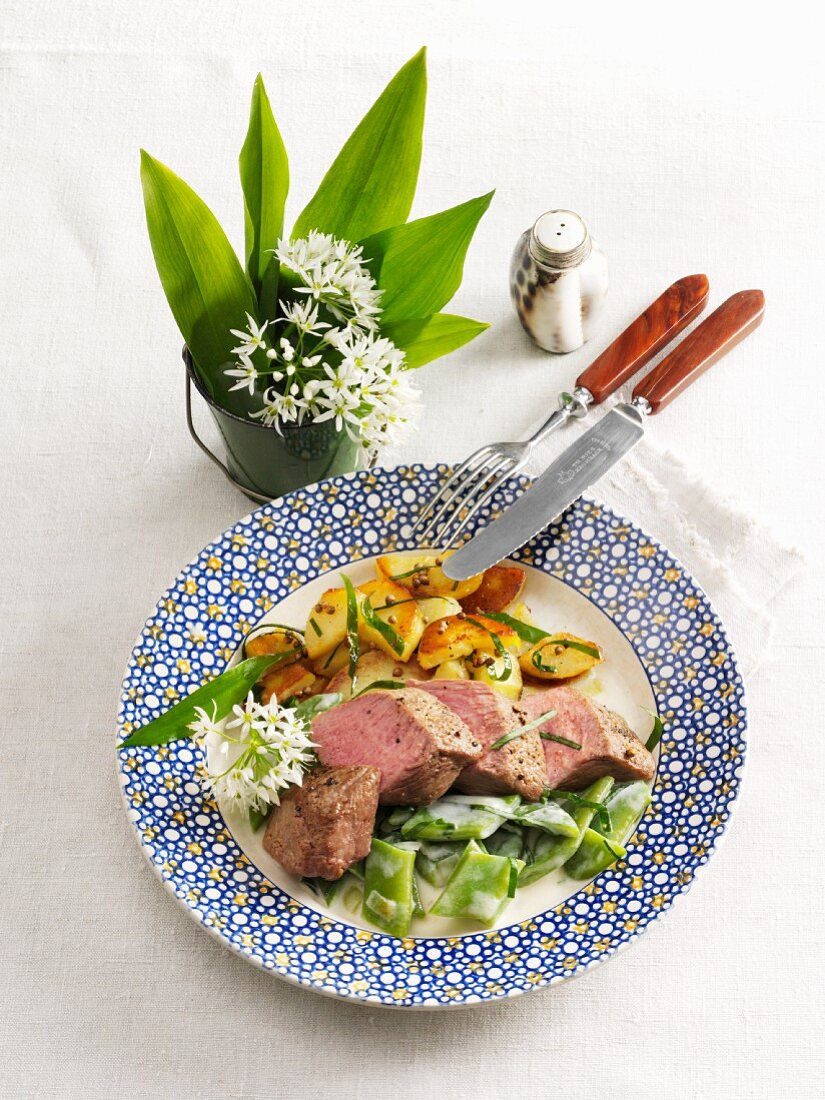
(560, 239)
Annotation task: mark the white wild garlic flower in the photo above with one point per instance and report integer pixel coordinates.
(344, 372)
(265, 748)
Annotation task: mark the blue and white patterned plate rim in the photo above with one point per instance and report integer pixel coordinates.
(315, 951)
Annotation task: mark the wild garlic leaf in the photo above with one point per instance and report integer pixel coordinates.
(264, 170)
(372, 181)
(223, 692)
(426, 338)
(203, 280)
(419, 265)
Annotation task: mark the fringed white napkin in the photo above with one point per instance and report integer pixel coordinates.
(737, 560)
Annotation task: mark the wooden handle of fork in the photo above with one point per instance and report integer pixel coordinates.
(717, 334)
(648, 334)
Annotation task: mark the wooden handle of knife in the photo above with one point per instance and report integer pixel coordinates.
(648, 334)
(717, 334)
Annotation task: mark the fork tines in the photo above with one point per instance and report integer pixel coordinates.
(463, 494)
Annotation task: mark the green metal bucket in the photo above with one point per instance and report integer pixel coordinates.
(265, 463)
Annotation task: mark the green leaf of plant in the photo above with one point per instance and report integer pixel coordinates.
(204, 282)
(427, 338)
(264, 172)
(372, 181)
(419, 265)
(224, 691)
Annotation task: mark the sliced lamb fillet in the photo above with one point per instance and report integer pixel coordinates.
(323, 827)
(515, 768)
(608, 745)
(418, 745)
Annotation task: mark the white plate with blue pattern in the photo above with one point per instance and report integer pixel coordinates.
(591, 572)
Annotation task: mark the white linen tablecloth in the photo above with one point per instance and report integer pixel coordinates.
(690, 139)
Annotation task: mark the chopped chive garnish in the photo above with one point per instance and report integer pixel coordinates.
(656, 735)
(559, 740)
(395, 603)
(392, 637)
(352, 629)
(315, 627)
(513, 734)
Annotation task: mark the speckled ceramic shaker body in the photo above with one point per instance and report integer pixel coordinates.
(558, 282)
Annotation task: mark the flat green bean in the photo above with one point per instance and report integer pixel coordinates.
(550, 817)
(450, 821)
(549, 851)
(479, 887)
(626, 805)
(389, 899)
(594, 855)
(436, 862)
(506, 842)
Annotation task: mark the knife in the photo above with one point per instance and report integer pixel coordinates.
(643, 339)
(603, 445)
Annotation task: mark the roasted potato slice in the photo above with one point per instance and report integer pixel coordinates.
(297, 679)
(392, 605)
(438, 607)
(500, 586)
(327, 623)
(510, 686)
(560, 657)
(275, 640)
(457, 636)
(422, 575)
(372, 666)
(452, 670)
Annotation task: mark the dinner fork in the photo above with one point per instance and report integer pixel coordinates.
(470, 487)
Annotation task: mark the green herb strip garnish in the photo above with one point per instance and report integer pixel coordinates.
(513, 734)
(315, 627)
(590, 650)
(537, 662)
(352, 628)
(272, 628)
(611, 849)
(600, 808)
(395, 603)
(392, 637)
(559, 740)
(383, 685)
(513, 882)
(409, 573)
(219, 694)
(527, 633)
(500, 649)
(328, 661)
(656, 735)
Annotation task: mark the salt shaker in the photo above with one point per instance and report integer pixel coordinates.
(558, 281)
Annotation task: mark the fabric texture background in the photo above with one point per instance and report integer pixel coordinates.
(689, 142)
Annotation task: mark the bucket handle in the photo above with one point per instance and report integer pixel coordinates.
(209, 454)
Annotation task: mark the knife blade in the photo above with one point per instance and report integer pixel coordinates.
(609, 440)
